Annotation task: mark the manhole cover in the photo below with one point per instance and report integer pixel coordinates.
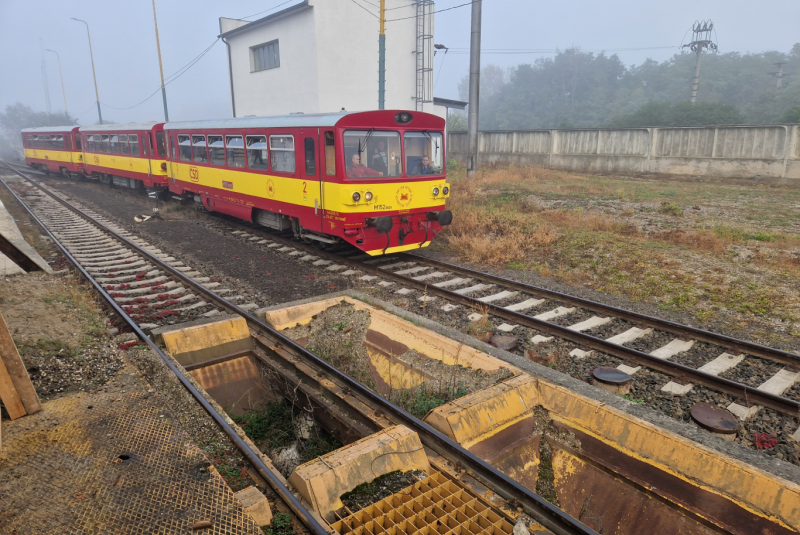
(714, 418)
(612, 376)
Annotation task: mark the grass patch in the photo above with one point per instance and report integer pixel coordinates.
(282, 524)
(276, 427)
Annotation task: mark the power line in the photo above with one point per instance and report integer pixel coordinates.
(555, 50)
(270, 9)
(438, 11)
(177, 74)
(365, 9)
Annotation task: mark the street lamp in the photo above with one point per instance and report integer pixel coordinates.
(91, 56)
(61, 74)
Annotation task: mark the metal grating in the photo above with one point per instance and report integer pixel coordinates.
(437, 505)
(64, 473)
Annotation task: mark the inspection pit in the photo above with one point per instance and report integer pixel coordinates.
(613, 471)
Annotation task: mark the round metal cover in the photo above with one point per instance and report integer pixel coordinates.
(714, 418)
(612, 376)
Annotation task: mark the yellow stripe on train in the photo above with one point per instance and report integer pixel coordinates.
(126, 163)
(53, 155)
(338, 197)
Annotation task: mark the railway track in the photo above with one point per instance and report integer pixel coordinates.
(140, 283)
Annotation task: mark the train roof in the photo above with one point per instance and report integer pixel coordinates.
(49, 129)
(275, 121)
(119, 127)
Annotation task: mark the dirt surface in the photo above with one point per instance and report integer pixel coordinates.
(379, 488)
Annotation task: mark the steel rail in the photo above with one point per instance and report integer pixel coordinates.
(748, 394)
(294, 504)
(534, 505)
(758, 350)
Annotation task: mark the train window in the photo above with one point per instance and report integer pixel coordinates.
(78, 142)
(282, 153)
(424, 153)
(199, 153)
(311, 158)
(330, 154)
(59, 142)
(234, 150)
(133, 142)
(257, 152)
(90, 143)
(216, 150)
(67, 142)
(185, 147)
(161, 148)
(123, 144)
(106, 144)
(114, 139)
(379, 153)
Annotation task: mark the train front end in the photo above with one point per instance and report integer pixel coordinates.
(387, 190)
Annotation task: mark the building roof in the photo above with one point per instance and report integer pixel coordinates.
(50, 129)
(448, 103)
(118, 127)
(279, 121)
(269, 18)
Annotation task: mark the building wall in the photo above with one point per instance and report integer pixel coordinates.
(328, 61)
(726, 151)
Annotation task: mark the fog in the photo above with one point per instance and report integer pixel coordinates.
(126, 60)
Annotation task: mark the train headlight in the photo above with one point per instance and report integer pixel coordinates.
(356, 196)
(368, 196)
(403, 117)
(435, 192)
(445, 190)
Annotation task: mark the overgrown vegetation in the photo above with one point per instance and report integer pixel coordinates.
(281, 525)
(633, 237)
(228, 465)
(279, 425)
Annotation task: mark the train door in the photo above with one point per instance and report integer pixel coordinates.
(327, 171)
(311, 175)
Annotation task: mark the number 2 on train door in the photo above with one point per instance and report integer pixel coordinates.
(305, 192)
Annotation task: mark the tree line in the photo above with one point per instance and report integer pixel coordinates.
(578, 89)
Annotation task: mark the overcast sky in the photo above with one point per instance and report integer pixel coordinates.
(127, 65)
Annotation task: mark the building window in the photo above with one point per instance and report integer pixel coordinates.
(266, 56)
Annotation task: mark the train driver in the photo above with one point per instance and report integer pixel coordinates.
(358, 170)
(423, 167)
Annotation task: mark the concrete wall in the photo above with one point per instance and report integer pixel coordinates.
(328, 60)
(729, 151)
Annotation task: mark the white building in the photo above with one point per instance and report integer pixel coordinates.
(322, 56)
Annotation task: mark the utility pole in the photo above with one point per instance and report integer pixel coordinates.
(94, 75)
(701, 38)
(474, 89)
(160, 67)
(779, 75)
(44, 81)
(61, 74)
(382, 59)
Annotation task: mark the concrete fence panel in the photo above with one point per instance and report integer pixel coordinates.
(685, 142)
(725, 151)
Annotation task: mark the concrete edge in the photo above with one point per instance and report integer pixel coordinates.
(689, 431)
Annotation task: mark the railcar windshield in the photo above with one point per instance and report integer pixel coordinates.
(424, 153)
(370, 153)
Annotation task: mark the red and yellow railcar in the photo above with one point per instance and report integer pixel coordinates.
(127, 155)
(374, 179)
(53, 148)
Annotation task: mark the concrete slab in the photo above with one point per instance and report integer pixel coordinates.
(10, 231)
(628, 369)
(524, 305)
(555, 313)
(629, 335)
(369, 278)
(449, 307)
(427, 298)
(505, 294)
(405, 291)
(473, 289)
(452, 282)
(429, 276)
(413, 270)
(474, 316)
(580, 354)
(673, 348)
(397, 265)
(587, 325)
(539, 339)
(337, 267)
(506, 327)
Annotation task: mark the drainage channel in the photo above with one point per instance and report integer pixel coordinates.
(353, 398)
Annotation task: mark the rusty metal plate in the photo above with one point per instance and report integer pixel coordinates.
(714, 418)
(612, 376)
(123, 466)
